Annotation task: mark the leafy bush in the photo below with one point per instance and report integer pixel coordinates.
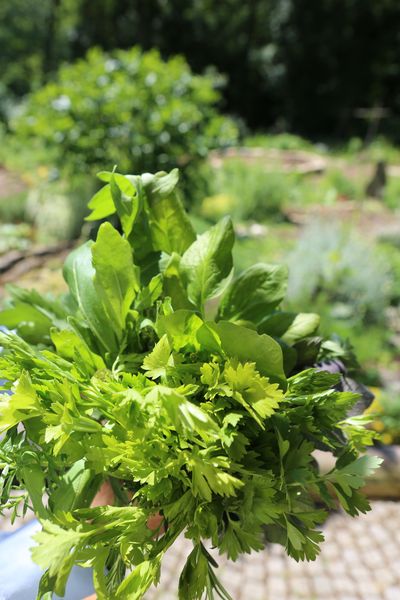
(131, 105)
(130, 379)
(354, 276)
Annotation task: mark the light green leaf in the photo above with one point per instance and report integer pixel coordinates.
(99, 573)
(23, 404)
(207, 263)
(290, 327)
(102, 204)
(139, 581)
(172, 282)
(116, 279)
(254, 293)
(181, 328)
(210, 475)
(353, 476)
(75, 488)
(148, 294)
(127, 202)
(171, 229)
(260, 397)
(70, 345)
(33, 477)
(79, 273)
(159, 358)
(56, 551)
(160, 184)
(183, 414)
(30, 323)
(248, 346)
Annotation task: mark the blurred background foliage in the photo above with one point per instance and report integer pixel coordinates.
(278, 112)
(260, 46)
(132, 106)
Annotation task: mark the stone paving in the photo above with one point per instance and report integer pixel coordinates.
(360, 560)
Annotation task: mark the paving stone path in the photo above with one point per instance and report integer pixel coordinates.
(360, 560)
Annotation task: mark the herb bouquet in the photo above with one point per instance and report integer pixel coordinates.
(183, 386)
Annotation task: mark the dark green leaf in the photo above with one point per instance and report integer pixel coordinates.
(254, 293)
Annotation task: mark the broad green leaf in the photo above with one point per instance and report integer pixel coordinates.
(75, 489)
(148, 294)
(207, 263)
(160, 184)
(79, 273)
(30, 323)
(102, 204)
(172, 282)
(289, 356)
(126, 203)
(50, 307)
(72, 346)
(34, 479)
(248, 346)
(181, 328)
(254, 293)
(290, 327)
(171, 229)
(116, 280)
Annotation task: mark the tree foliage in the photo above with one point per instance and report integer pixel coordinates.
(131, 105)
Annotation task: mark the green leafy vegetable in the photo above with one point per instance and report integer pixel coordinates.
(208, 262)
(210, 424)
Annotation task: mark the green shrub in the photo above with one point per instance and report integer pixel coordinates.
(355, 277)
(131, 105)
(246, 191)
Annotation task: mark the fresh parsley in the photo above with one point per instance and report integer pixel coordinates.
(182, 384)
